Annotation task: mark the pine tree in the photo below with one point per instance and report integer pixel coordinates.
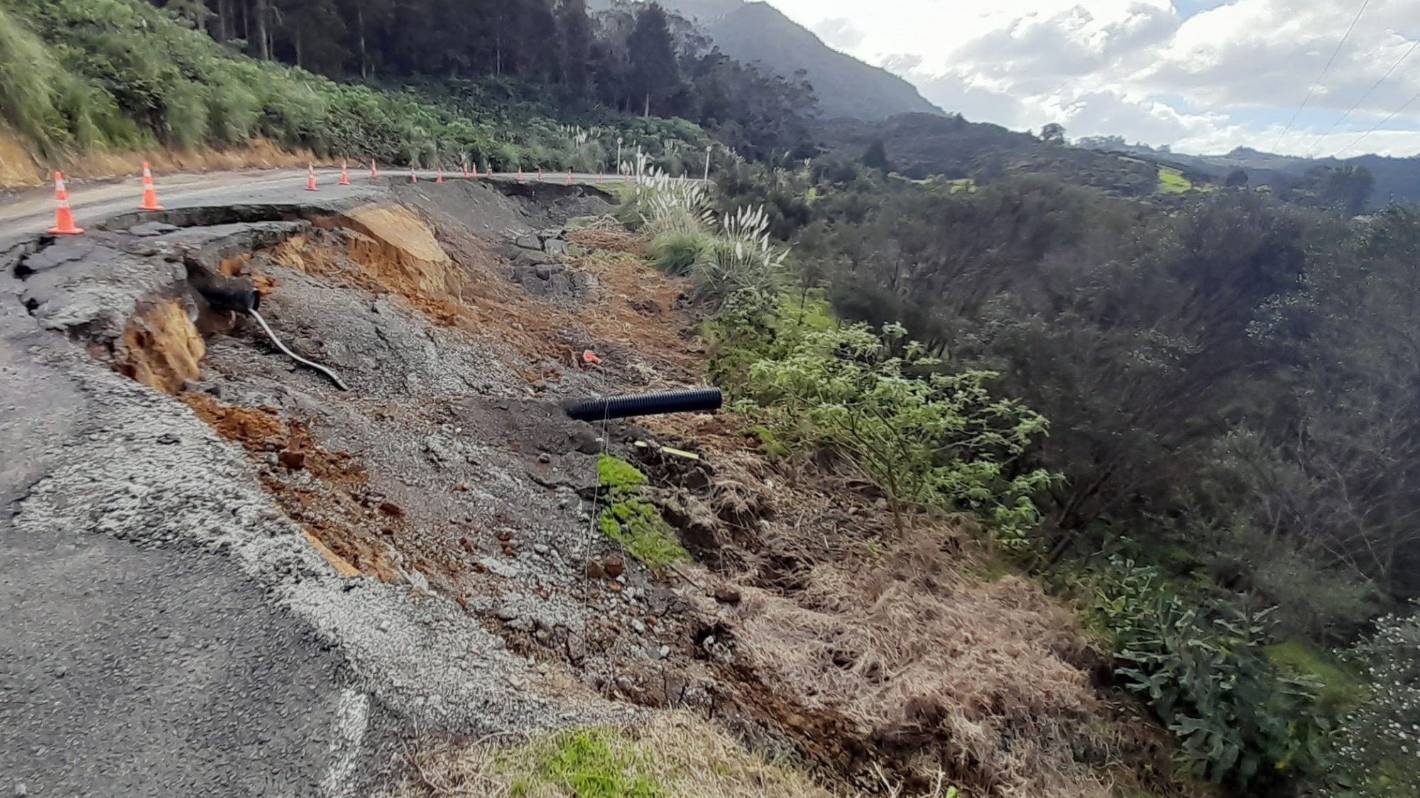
(655, 75)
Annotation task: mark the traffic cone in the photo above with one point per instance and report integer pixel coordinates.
(63, 218)
(413, 178)
(311, 177)
(569, 177)
(539, 174)
(465, 169)
(520, 174)
(374, 170)
(150, 194)
(440, 178)
(344, 173)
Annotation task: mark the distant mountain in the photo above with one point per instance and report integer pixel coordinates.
(1397, 179)
(759, 33)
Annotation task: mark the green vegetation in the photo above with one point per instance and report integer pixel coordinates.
(84, 75)
(924, 437)
(1238, 719)
(631, 519)
(590, 763)
(1172, 181)
(1380, 739)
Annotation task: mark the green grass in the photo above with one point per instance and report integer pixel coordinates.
(591, 763)
(632, 520)
(1172, 181)
(677, 252)
(1341, 691)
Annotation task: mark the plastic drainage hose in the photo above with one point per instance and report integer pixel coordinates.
(699, 400)
(318, 367)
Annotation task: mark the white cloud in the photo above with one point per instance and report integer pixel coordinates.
(1157, 71)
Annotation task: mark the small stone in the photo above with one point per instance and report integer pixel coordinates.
(595, 570)
(614, 567)
(506, 614)
(21, 790)
(541, 549)
(61, 672)
(544, 458)
(639, 627)
(391, 509)
(727, 595)
(467, 545)
(168, 439)
(292, 460)
(665, 651)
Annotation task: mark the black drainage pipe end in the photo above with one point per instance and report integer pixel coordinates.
(699, 400)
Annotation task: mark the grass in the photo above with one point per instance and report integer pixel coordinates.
(677, 252)
(1172, 181)
(1341, 691)
(671, 754)
(632, 520)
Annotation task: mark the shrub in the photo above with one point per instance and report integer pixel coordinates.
(677, 252)
(922, 436)
(1379, 752)
(1208, 678)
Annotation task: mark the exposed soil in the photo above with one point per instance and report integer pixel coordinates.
(805, 625)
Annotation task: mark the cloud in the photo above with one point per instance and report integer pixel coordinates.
(839, 33)
(1196, 74)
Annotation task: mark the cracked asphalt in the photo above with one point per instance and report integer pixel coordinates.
(166, 631)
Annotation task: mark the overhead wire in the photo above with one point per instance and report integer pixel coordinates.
(1311, 90)
(1378, 126)
(1363, 98)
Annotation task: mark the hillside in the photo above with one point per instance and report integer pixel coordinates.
(1396, 179)
(923, 145)
(758, 33)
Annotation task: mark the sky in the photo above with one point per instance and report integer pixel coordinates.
(1203, 76)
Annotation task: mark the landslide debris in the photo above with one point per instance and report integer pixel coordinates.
(804, 625)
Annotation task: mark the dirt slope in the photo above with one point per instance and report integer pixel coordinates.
(447, 504)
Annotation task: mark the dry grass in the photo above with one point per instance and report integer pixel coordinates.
(676, 755)
(21, 168)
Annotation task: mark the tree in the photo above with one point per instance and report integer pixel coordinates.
(1053, 133)
(576, 33)
(876, 157)
(1348, 188)
(1237, 178)
(655, 75)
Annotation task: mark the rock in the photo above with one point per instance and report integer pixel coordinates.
(646, 306)
(665, 651)
(292, 460)
(169, 439)
(614, 567)
(21, 790)
(507, 613)
(638, 626)
(419, 581)
(528, 242)
(727, 595)
(595, 570)
(554, 246)
(391, 509)
(541, 549)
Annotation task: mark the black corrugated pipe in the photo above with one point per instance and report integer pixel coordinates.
(699, 400)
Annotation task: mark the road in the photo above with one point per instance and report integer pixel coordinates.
(165, 632)
(32, 212)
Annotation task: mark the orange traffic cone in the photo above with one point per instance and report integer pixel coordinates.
(311, 178)
(63, 218)
(413, 178)
(344, 173)
(539, 174)
(569, 177)
(465, 169)
(440, 178)
(520, 174)
(150, 194)
(374, 170)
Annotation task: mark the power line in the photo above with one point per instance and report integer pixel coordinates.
(1366, 96)
(1379, 125)
(1324, 70)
